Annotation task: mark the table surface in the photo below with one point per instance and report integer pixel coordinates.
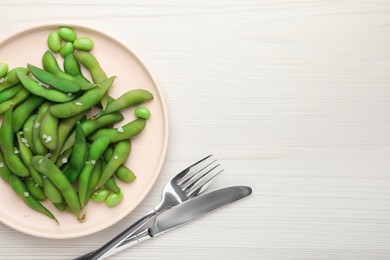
(293, 97)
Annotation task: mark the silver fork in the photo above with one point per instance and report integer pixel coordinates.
(187, 184)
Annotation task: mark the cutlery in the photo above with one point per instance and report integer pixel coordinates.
(188, 184)
(181, 214)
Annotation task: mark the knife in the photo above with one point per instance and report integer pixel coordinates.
(177, 216)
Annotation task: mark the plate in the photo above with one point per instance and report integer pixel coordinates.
(148, 148)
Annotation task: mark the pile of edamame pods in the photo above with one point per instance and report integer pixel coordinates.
(58, 141)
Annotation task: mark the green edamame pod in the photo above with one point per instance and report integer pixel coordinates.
(21, 96)
(11, 79)
(52, 192)
(83, 44)
(91, 63)
(20, 189)
(63, 85)
(96, 150)
(64, 129)
(38, 147)
(121, 152)
(48, 168)
(13, 161)
(91, 125)
(114, 199)
(112, 185)
(130, 98)
(26, 155)
(5, 172)
(50, 64)
(3, 69)
(93, 180)
(122, 173)
(10, 92)
(23, 111)
(54, 42)
(28, 131)
(72, 67)
(63, 158)
(35, 189)
(66, 49)
(67, 34)
(121, 133)
(37, 89)
(84, 102)
(78, 156)
(49, 131)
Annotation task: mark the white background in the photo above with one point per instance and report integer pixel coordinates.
(292, 96)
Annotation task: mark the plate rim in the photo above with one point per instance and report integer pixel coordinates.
(159, 166)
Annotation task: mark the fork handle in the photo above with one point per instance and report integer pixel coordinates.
(118, 240)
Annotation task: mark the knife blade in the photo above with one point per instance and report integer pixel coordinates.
(184, 213)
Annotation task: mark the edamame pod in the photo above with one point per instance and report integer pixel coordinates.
(38, 147)
(121, 133)
(63, 85)
(3, 69)
(52, 192)
(48, 168)
(121, 152)
(72, 67)
(22, 112)
(35, 190)
(10, 92)
(78, 156)
(122, 173)
(11, 79)
(130, 98)
(84, 102)
(91, 63)
(13, 161)
(5, 172)
(21, 96)
(49, 131)
(37, 89)
(20, 189)
(112, 185)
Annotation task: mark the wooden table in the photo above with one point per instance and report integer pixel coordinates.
(293, 97)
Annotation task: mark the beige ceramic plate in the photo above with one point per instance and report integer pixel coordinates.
(148, 148)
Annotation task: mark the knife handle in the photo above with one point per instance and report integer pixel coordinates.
(119, 240)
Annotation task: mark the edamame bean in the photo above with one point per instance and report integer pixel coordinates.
(35, 190)
(114, 199)
(54, 42)
(63, 85)
(22, 112)
(90, 62)
(78, 156)
(121, 133)
(48, 168)
(20, 189)
(49, 131)
(100, 195)
(3, 69)
(130, 98)
(13, 161)
(121, 152)
(37, 89)
(26, 155)
(83, 43)
(50, 64)
(86, 101)
(66, 49)
(142, 112)
(10, 92)
(67, 34)
(11, 78)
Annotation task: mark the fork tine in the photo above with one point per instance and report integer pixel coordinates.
(198, 172)
(195, 168)
(202, 184)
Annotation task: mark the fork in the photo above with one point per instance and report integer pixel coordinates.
(189, 183)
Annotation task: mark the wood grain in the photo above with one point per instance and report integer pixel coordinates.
(293, 96)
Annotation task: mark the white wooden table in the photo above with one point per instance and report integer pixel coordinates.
(292, 96)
